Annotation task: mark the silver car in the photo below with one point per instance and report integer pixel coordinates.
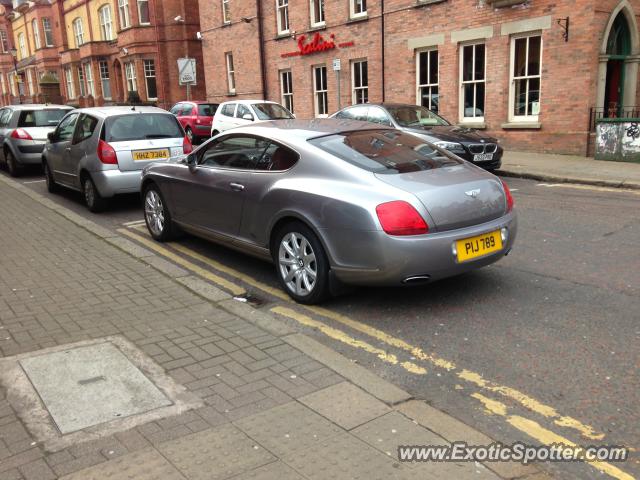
(23, 133)
(334, 202)
(101, 151)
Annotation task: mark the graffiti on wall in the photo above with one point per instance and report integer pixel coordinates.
(618, 141)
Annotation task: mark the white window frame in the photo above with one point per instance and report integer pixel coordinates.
(226, 13)
(286, 94)
(78, 32)
(148, 22)
(359, 88)
(322, 92)
(30, 82)
(4, 41)
(81, 85)
(22, 46)
(103, 66)
(88, 75)
(357, 8)
(68, 77)
(48, 32)
(130, 75)
(3, 84)
(513, 118)
(106, 22)
(147, 75)
(231, 72)
(320, 21)
(123, 14)
(282, 16)
(429, 84)
(473, 81)
(36, 34)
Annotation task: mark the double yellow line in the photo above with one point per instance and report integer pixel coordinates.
(529, 427)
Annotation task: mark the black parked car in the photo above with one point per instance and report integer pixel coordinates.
(469, 144)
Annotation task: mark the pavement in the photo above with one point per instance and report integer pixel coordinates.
(570, 169)
(250, 397)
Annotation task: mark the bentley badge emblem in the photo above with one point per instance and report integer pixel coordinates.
(473, 193)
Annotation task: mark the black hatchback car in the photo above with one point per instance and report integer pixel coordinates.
(469, 144)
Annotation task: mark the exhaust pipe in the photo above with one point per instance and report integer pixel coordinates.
(416, 279)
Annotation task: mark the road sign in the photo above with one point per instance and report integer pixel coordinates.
(336, 64)
(187, 71)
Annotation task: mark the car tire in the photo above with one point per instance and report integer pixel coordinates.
(52, 186)
(156, 214)
(12, 165)
(299, 256)
(189, 134)
(92, 198)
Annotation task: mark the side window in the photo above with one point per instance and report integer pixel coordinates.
(359, 113)
(86, 126)
(277, 158)
(187, 110)
(242, 111)
(377, 115)
(228, 109)
(176, 109)
(237, 152)
(4, 117)
(65, 129)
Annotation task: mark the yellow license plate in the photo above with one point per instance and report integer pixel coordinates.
(151, 154)
(474, 247)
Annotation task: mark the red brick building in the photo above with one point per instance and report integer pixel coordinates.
(532, 72)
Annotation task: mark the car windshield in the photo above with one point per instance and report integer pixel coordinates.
(271, 111)
(42, 118)
(207, 109)
(141, 126)
(385, 151)
(415, 116)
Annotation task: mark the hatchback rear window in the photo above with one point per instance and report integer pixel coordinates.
(271, 111)
(207, 109)
(41, 118)
(140, 126)
(385, 151)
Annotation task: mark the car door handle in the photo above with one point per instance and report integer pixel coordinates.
(68, 149)
(238, 187)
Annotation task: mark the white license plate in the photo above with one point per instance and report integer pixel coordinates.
(483, 157)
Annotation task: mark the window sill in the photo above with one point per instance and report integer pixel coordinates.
(474, 125)
(231, 94)
(423, 3)
(358, 18)
(226, 24)
(283, 35)
(317, 27)
(522, 126)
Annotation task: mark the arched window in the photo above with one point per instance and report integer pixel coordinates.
(78, 32)
(619, 42)
(106, 22)
(22, 45)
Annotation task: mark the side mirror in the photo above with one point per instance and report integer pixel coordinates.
(51, 136)
(191, 162)
(247, 116)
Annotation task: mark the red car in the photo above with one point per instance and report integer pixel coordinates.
(195, 118)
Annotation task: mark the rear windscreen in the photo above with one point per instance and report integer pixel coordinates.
(207, 109)
(385, 151)
(41, 118)
(141, 126)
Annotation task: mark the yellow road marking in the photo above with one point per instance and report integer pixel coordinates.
(344, 338)
(543, 435)
(467, 375)
(590, 187)
(223, 282)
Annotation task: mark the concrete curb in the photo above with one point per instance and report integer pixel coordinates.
(577, 180)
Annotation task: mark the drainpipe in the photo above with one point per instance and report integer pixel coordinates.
(261, 47)
(160, 63)
(382, 47)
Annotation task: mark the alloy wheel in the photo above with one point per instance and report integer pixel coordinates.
(89, 193)
(297, 264)
(154, 212)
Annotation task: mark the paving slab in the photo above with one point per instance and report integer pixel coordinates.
(345, 404)
(272, 471)
(288, 428)
(145, 464)
(215, 454)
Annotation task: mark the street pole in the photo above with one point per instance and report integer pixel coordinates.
(14, 54)
(338, 89)
(189, 91)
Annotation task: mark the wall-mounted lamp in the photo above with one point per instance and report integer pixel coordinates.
(564, 24)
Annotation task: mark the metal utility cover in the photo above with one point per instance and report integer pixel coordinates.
(87, 386)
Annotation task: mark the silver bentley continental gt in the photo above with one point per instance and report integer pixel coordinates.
(333, 202)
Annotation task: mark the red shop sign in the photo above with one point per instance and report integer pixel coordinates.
(317, 44)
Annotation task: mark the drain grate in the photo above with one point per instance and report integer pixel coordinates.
(90, 385)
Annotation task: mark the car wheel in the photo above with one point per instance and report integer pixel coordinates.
(12, 164)
(189, 133)
(52, 186)
(92, 198)
(156, 214)
(301, 264)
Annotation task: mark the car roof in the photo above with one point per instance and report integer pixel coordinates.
(249, 102)
(38, 106)
(104, 112)
(197, 102)
(287, 130)
(383, 104)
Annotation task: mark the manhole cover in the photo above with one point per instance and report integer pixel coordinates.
(87, 386)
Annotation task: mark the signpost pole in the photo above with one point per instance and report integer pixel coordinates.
(189, 91)
(336, 68)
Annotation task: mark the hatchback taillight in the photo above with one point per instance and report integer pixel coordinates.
(21, 134)
(186, 145)
(507, 194)
(400, 218)
(106, 153)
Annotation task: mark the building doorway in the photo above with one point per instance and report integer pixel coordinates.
(618, 51)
